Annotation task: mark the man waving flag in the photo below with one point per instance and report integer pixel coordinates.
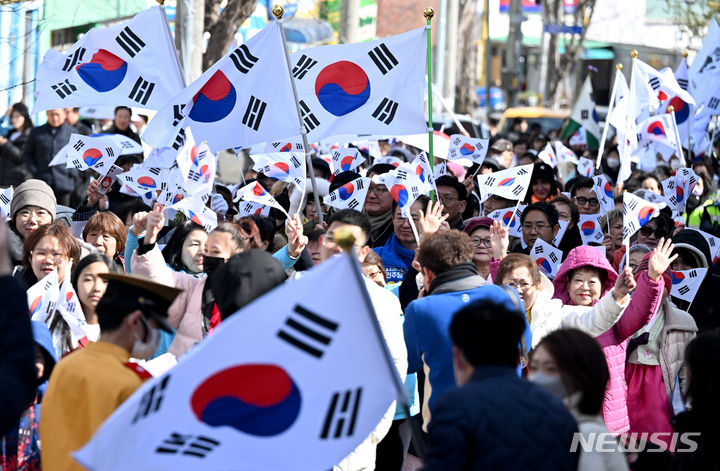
(132, 63)
(376, 87)
(245, 98)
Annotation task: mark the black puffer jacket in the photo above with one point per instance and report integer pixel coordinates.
(13, 166)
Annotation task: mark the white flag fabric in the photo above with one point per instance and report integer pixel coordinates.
(682, 109)
(686, 283)
(679, 187)
(547, 155)
(42, 297)
(547, 257)
(510, 218)
(6, 197)
(670, 202)
(68, 305)
(245, 98)
(132, 63)
(585, 167)
(375, 87)
(654, 87)
(704, 73)
(255, 192)
(345, 159)
(636, 213)
(423, 171)
(713, 242)
(251, 208)
(561, 232)
(564, 154)
(349, 196)
(146, 182)
(440, 169)
(285, 373)
(660, 129)
(201, 175)
(404, 185)
(98, 153)
(512, 183)
(390, 160)
(463, 147)
(591, 229)
(604, 192)
(284, 166)
(196, 211)
(285, 145)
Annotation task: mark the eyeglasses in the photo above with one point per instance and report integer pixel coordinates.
(56, 256)
(518, 285)
(37, 213)
(648, 231)
(528, 227)
(582, 201)
(378, 190)
(477, 242)
(415, 219)
(447, 199)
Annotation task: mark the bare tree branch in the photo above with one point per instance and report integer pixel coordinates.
(223, 30)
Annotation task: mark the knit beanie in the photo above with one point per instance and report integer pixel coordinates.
(33, 193)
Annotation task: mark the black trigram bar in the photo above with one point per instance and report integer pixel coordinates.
(76, 163)
(109, 152)
(129, 41)
(385, 112)
(353, 204)
(178, 114)
(4, 199)
(308, 331)
(179, 140)
(141, 91)
(295, 161)
(683, 83)
(654, 83)
(303, 65)
(78, 145)
(692, 274)
(309, 119)
(359, 184)
(539, 249)
(632, 204)
(198, 446)
(64, 89)
(155, 171)
(522, 171)
(490, 181)
(713, 103)
(151, 400)
(74, 59)
(457, 141)
(383, 58)
(254, 113)
(341, 414)
(553, 257)
(243, 60)
(517, 190)
(683, 290)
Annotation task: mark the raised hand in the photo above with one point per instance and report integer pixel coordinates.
(660, 259)
(139, 223)
(431, 222)
(296, 239)
(499, 240)
(93, 193)
(624, 285)
(154, 222)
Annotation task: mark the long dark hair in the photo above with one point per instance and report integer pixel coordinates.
(173, 250)
(702, 357)
(87, 260)
(582, 365)
(23, 110)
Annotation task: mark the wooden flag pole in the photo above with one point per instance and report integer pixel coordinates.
(278, 12)
(428, 13)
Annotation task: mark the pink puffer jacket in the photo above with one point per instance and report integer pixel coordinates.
(643, 303)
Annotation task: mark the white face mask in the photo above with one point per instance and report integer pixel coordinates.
(613, 163)
(551, 383)
(144, 350)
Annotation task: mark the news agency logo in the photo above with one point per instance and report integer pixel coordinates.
(635, 442)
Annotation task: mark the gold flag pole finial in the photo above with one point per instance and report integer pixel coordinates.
(685, 54)
(160, 2)
(618, 66)
(428, 13)
(670, 109)
(634, 54)
(278, 11)
(344, 238)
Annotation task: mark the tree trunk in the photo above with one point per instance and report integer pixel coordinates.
(224, 28)
(466, 99)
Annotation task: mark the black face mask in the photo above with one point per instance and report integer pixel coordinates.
(210, 264)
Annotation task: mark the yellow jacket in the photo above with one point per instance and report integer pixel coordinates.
(85, 388)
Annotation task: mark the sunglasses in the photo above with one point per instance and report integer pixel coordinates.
(647, 231)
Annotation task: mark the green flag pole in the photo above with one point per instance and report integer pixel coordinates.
(428, 13)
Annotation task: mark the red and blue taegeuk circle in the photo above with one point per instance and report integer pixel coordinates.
(507, 218)
(278, 170)
(214, 101)
(104, 72)
(544, 265)
(682, 109)
(587, 227)
(644, 215)
(35, 305)
(257, 399)
(195, 218)
(420, 172)
(346, 162)
(507, 181)
(656, 128)
(258, 190)
(91, 156)
(342, 87)
(467, 149)
(608, 190)
(677, 277)
(680, 192)
(346, 191)
(400, 193)
(147, 182)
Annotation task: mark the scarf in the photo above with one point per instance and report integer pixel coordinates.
(458, 272)
(378, 224)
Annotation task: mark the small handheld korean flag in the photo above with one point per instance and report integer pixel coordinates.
(132, 63)
(97, 153)
(286, 145)
(547, 257)
(512, 183)
(254, 192)
(686, 283)
(284, 166)
(462, 147)
(548, 156)
(423, 171)
(260, 384)
(375, 87)
(510, 218)
(564, 154)
(68, 305)
(201, 175)
(250, 208)
(6, 197)
(404, 185)
(42, 297)
(713, 243)
(245, 98)
(680, 186)
(345, 159)
(590, 228)
(637, 212)
(561, 232)
(147, 182)
(661, 129)
(604, 193)
(349, 196)
(168, 157)
(585, 167)
(440, 169)
(196, 211)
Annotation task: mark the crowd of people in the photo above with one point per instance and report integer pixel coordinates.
(504, 366)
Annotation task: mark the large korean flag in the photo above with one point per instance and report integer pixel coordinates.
(376, 87)
(282, 384)
(245, 98)
(132, 63)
